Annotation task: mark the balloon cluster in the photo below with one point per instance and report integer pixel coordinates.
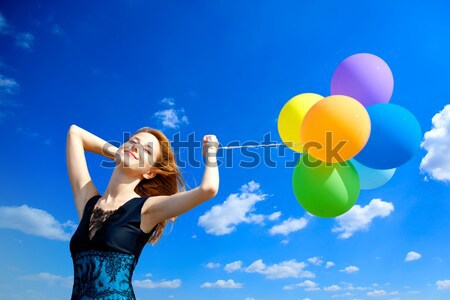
(351, 140)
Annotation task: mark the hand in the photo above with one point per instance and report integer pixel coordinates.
(210, 144)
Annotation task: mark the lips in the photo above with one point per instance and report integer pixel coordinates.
(131, 153)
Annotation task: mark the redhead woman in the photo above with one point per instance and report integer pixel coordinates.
(145, 191)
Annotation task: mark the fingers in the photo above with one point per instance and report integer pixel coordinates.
(210, 138)
(210, 144)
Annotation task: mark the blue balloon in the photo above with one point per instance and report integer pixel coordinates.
(394, 138)
(371, 178)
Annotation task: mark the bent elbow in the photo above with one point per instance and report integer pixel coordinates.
(72, 128)
(214, 192)
(210, 192)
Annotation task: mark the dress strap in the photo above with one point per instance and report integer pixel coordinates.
(90, 204)
(141, 203)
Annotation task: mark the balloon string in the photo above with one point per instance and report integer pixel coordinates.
(257, 146)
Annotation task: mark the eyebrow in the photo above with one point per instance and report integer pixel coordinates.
(151, 148)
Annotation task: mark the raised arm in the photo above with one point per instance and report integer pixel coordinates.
(159, 208)
(78, 140)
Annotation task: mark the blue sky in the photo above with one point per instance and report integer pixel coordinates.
(224, 68)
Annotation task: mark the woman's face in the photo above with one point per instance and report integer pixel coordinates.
(140, 151)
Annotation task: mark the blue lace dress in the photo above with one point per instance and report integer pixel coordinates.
(105, 250)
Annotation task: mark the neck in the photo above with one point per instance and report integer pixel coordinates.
(121, 186)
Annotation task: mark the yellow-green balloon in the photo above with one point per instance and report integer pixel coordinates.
(324, 189)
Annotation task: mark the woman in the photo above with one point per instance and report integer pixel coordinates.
(145, 190)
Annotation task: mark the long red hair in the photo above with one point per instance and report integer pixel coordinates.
(168, 179)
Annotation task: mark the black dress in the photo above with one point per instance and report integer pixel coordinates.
(105, 250)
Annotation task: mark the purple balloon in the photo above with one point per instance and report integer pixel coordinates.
(364, 77)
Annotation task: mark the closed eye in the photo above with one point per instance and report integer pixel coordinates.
(146, 149)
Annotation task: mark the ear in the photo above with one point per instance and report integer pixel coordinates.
(149, 175)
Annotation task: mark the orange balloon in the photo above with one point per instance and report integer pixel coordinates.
(335, 129)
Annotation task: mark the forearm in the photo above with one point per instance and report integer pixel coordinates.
(210, 180)
(93, 143)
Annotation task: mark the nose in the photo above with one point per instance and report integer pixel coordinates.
(134, 148)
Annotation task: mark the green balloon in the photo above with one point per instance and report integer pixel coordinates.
(324, 189)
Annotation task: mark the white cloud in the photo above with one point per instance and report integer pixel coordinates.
(350, 269)
(8, 86)
(307, 284)
(223, 218)
(172, 118)
(274, 216)
(224, 284)
(256, 219)
(288, 226)
(149, 284)
(212, 265)
(25, 293)
(443, 284)
(35, 222)
(412, 256)
(329, 264)
(436, 142)
(359, 218)
(377, 293)
(285, 242)
(168, 101)
(50, 279)
(25, 40)
(380, 293)
(347, 295)
(285, 269)
(259, 218)
(234, 266)
(332, 288)
(350, 287)
(315, 261)
(257, 266)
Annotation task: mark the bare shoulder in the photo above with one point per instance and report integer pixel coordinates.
(150, 203)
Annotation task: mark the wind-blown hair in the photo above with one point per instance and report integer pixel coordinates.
(167, 181)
